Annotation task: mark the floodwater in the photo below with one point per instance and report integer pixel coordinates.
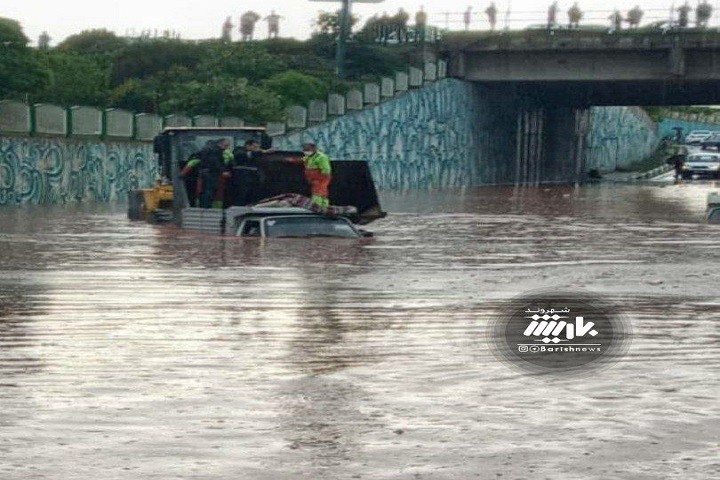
(130, 351)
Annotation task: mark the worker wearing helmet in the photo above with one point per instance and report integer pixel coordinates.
(318, 174)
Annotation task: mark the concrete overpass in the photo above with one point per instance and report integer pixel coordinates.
(551, 78)
(580, 69)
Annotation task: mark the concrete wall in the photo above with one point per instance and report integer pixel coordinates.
(618, 137)
(61, 170)
(448, 134)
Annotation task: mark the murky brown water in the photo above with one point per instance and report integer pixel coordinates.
(129, 351)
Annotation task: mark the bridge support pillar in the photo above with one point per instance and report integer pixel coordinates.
(550, 145)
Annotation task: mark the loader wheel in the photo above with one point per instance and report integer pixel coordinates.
(136, 205)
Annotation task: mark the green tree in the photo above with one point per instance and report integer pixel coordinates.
(21, 71)
(295, 88)
(240, 60)
(75, 80)
(134, 95)
(146, 58)
(328, 23)
(224, 96)
(97, 41)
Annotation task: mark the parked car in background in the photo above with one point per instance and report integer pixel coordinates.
(713, 141)
(696, 137)
(702, 164)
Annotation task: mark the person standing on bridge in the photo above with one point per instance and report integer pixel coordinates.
(684, 15)
(420, 24)
(467, 17)
(552, 16)
(273, 24)
(574, 16)
(227, 30)
(703, 12)
(491, 13)
(247, 25)
(634, 17)
(616, 20)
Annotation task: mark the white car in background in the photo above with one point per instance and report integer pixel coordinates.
(702, 164)
(696, 137)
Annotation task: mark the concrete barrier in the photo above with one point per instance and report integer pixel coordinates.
(147, 126)
(119, 123)
(317, 111)
(175, 120)
(86, 121)
(371, 94)
(387, 87)
(14, 117)
(297, 117)
(415, 77)
(205, 121)
(336, 105)
(232, 122)
(354, 100)
(50, 119)
(402, 82)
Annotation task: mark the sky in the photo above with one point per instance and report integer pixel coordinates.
(197, 20)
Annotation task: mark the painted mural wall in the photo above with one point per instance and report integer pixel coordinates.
(619, 136)
(61, 170)
(448, 134)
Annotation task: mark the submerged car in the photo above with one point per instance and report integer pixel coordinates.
(702, 164)
(696, 137)
(294, 222)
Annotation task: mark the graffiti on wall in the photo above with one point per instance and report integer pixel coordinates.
(439, 136)
(59, 171)
(619, 136)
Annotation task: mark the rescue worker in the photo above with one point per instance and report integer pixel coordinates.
(318, 174)
(247, 183)
(214, 161)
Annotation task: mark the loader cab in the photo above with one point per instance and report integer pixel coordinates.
(174, 146)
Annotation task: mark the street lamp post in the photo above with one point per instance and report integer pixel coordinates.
(344, 31)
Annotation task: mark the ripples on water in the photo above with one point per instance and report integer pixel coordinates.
(134, 351)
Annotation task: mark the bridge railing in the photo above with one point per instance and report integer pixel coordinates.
(660, 19)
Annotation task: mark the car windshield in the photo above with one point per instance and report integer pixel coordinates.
(309, 226)
(704, 158)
